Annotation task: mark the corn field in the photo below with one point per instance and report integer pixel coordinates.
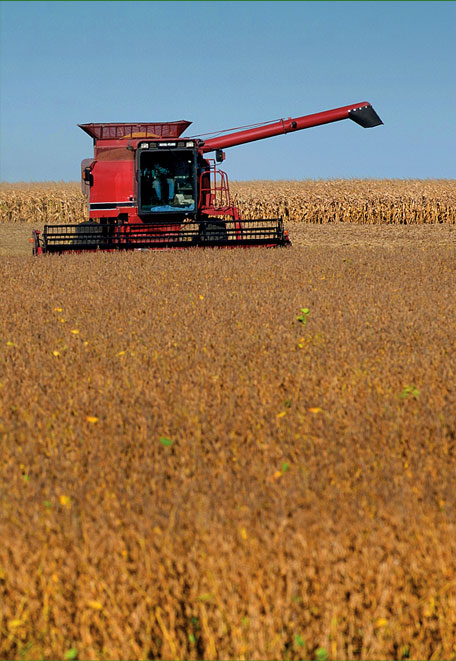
(42, 203)
(371, 202)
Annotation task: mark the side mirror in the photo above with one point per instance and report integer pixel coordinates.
(87, 176)
(219, 155)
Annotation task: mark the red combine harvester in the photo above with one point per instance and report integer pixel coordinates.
(148, 187)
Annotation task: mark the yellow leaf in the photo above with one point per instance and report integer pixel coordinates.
(58, 309)
(315, 409)
(243, 532)
(74, 331)
(92, 418)
(56, 353)
(120, 353)
(201, 296)
(276, 475)
(429, 610)
(65, 501)
(10, 344)
(14, 624)
(95, 605)
(381, 622)
(281, 414)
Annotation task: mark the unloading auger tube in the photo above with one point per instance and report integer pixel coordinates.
(149, 187)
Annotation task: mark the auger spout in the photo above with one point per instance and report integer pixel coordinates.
(361, 113)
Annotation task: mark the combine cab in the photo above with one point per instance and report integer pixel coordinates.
(147, 187)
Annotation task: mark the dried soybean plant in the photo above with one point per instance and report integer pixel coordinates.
(229, 454)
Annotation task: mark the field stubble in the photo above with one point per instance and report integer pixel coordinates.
(189, 471)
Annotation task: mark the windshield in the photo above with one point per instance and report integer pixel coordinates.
(166, 181)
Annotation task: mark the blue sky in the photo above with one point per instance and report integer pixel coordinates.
(226, 64)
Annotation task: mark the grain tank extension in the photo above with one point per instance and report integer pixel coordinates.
(149, 187)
